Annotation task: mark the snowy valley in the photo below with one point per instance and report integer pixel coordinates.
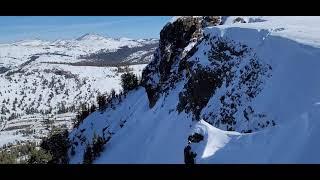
(42, 83)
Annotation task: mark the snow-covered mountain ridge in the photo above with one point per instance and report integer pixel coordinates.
(70, 51)
(218, 90)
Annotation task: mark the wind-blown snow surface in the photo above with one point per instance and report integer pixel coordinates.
(290, 96)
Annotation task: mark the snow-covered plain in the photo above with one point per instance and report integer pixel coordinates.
(289, 96)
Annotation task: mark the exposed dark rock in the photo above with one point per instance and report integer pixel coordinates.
(153, 94)
(224, 62)
(195, 138)
(198, 91)
(222, 50)
(211, 21)
(239, 20)
(174, 37)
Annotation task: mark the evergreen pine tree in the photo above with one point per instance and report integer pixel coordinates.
(92, 108)
(101, 101)
(129, 81)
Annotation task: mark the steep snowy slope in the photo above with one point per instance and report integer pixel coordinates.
(240, 93)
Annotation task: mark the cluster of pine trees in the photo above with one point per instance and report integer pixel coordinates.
(54, 148)
(93, 150)
(129, 81)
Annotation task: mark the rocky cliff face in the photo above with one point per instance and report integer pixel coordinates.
(210, 68)
(220, 77)
(174, 38)
(217, 94)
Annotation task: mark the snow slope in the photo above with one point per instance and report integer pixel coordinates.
(303, 29)
(289, 97)
(294, 142)
(148, 136)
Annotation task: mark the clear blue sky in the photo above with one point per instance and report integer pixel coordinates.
(13, 28)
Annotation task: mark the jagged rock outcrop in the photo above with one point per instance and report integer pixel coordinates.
(174, 38)
(222, 67)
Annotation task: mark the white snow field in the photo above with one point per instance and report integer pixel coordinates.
(290, 96)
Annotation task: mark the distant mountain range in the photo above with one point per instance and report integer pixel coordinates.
(93, 48)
